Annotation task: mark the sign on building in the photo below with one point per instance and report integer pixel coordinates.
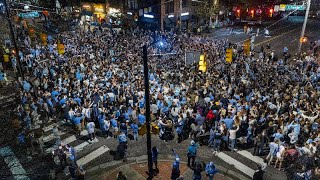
(29, 15)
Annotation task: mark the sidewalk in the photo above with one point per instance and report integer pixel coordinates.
(139, 171)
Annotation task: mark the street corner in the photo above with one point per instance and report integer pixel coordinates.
(140, 171)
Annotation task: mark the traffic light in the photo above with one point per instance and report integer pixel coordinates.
(238, 13)
(270, 12)
(60, 48)
(6, 58)
(252, 13)
(246, 47)
(303, 39)
(229, 55)
(203, 63)
(43, 38)
(136, 17)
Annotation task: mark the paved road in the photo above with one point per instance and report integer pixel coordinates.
(283, 33)
(99, 153)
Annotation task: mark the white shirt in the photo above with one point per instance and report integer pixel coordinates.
(154, 108)
(90, 127)
(233, 133)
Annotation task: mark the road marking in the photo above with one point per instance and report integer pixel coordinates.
(274, 30)
(7, 101)
(276, 37)
(68, 140)
(51, 137)
(253, 158)
(238, 165)
(84, 133)
(48, 128)
(13, 163)
(81, 146)
(9, 96)
(51, 126)
(94, 154)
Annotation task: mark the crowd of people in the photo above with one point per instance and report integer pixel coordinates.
(264, 101)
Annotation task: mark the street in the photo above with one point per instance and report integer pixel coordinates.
(283, 33)
(98, 157)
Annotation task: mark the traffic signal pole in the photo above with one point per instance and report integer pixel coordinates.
(304, 24)
(13, 39)
(148, 118)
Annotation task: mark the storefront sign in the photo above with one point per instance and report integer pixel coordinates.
(290, 7)
(282, 7)
(87, 7)
(29, 15)
(98, 8)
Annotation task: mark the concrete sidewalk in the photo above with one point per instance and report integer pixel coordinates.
(139, 171)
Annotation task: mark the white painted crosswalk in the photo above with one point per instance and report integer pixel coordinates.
(93, 155)
(52, 137)
(81, 146)
(238, 165)
(253, 158)
(67, 140)
(72, 139)
(13, 164)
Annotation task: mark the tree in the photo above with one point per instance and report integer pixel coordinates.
(205, 11)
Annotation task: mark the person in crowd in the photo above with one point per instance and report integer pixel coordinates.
(197, 169)
(122, 147)
(258, 174)
(192, 152)
(91, 133)
(155, 154)
(72, 154)
(135, 128)
(211, 170)
(121, 176)
(232, 137)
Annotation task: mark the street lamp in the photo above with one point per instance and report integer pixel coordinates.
(304, 24)
(147, 96)
(146, 91)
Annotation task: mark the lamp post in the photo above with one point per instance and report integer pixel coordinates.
(304, 24)
(13, 39)
(146, 91)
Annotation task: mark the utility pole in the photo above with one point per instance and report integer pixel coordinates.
(146, 91)
(304, 24)
(180, 15)
(13, 39)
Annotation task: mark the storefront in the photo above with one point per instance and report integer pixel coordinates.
(93, 12)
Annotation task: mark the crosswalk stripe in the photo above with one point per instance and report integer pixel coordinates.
(64, 141)
(8, 96)
(51, 126)
(68, 140)
(81, 146)
(253, 158)
(238, 165)
(94, 154)
(13, 163)
(51, 137)
(84, 133)
(48, 128)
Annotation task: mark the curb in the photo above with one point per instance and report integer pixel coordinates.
(143, 159)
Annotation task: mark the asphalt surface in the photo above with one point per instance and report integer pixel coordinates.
(282, 33)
